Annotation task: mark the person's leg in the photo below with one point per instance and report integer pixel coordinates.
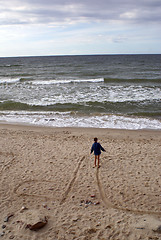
(95, 160)
(98, 160)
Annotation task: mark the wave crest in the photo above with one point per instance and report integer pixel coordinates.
(65, 81)
(9, 80)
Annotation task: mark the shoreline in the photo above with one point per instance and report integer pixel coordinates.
(40, 127)
(47, 173)
(58, 119)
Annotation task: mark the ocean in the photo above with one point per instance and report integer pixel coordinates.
(97, 91)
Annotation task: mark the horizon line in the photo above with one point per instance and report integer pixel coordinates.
(68, 55)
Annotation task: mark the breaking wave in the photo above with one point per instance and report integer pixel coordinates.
(129, 108)
(48, 82)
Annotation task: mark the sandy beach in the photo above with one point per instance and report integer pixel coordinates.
(47, 176)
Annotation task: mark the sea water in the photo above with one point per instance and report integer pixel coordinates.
(102, 91)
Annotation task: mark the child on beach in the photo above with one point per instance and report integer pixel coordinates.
(96, 147)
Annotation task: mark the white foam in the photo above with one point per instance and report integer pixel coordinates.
(9, 80)
(49, 82)
(58, 119)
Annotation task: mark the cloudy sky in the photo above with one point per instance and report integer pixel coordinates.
(67, 27)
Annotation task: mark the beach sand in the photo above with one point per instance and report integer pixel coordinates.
(47, 175)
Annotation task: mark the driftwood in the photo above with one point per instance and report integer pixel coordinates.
(8, 217)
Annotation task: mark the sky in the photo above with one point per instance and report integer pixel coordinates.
(78, 27)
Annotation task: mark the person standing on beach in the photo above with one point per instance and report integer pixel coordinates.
(96, 147)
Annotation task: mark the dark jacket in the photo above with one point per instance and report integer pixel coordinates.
(96, 147)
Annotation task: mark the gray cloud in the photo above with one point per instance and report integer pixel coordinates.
(59, 11)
